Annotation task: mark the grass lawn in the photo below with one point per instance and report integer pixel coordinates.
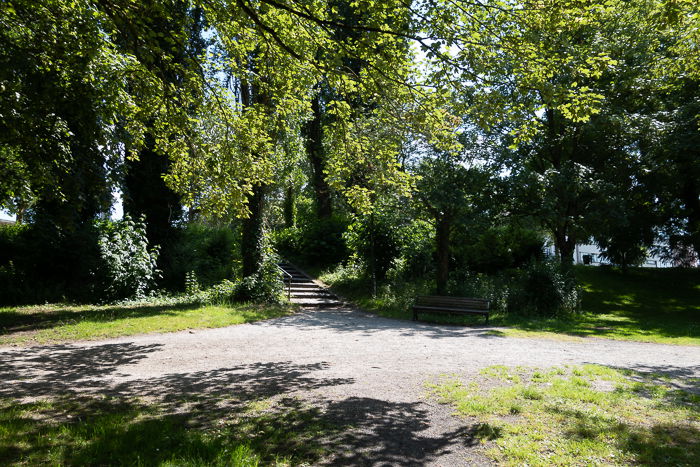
(649, 305)
(58, 323)
(195, 431)
(582, 415)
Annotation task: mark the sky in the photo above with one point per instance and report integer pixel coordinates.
(117, 209)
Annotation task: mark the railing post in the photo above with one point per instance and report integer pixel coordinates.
(286, 278)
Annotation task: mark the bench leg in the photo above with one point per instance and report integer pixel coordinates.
(487, 319)
(415, 315)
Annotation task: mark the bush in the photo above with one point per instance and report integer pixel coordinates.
(207, 252)
(314, 241)
(128, 266)
(12, 283)
(265, 286)
(375, 244)
(415, 255)
(495, 288)
(542, 289)
(43, 262)
(499, 248)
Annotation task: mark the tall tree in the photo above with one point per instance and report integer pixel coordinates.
(450, 193)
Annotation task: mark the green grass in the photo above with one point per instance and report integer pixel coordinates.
(582, 415)
(647, 305)
(650, 305)
(203, 431)
(57, 323)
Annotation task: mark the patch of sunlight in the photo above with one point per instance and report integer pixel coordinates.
(576, 414)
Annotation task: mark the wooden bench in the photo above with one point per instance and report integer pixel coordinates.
(451, 305)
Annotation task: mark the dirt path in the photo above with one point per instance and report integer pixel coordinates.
(362, 370)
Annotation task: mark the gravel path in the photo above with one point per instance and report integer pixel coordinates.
(361, 369)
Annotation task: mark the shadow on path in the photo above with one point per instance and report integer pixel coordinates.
(349, 320)
(202, 413)
(59, 369)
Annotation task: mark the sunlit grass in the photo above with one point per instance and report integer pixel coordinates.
(580, 415)
(56, 323)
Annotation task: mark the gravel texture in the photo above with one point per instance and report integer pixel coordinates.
(359, 369)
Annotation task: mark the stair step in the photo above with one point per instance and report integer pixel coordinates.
(304, 291)
(314, 293)
(304, 285)
(316, 302)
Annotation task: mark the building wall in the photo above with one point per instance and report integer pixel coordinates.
(593, 253)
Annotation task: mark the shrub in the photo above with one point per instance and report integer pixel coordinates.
(313, 241)
(374, 243)
(542, 289)
(415, 256)
(11, 277)
(208, 252)
(128, 266)
(499, 248)
(44, 262)
(220, 293)
(495, 288)
(265, 286)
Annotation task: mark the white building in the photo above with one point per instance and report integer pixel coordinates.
(589, 254)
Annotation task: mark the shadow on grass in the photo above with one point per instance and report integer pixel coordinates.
(621, 325)
(19, 320)
(656, 443)
(354, 431)
(87, 412)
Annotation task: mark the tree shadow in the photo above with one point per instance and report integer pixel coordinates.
(354, 431)
(684, 378)
(660, 443)
(61, 369)
(390, 433)
(200, 416)
(351, 320)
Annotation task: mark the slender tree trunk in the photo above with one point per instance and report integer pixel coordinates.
(315, 153)
(442, 239)
(373, 256)
(21, 210)
(289, 206)
(252, 233)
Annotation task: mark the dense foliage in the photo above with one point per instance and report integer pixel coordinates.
(427, 140)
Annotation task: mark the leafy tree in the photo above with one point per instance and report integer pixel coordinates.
(674, 162)
(452, 194)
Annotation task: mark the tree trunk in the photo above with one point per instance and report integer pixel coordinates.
(442, 239)
(289, 207)
(315, 153)
(252, 233)
(146, 194)
(690, 195)
(565, 246)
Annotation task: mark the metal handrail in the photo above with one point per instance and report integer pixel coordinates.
(287, 278)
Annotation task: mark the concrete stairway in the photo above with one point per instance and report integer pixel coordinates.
(304, 291)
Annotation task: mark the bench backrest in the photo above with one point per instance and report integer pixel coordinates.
(453, 302)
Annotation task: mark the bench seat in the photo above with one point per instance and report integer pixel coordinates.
(451, 305)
